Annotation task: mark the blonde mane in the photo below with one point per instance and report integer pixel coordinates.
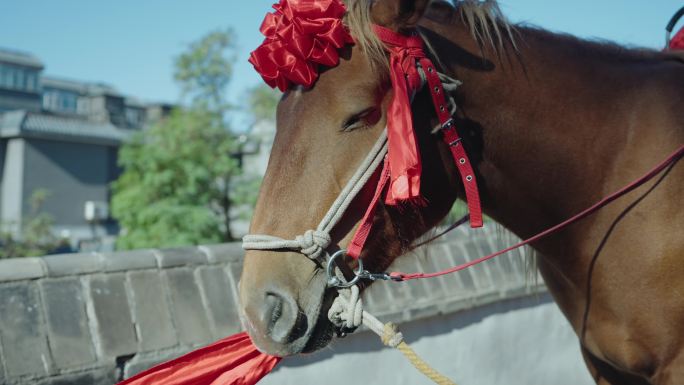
(485, 20)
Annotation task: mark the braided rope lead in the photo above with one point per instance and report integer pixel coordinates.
(389, 337)
(347, 310)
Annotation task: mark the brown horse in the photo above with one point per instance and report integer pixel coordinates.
(552, 124)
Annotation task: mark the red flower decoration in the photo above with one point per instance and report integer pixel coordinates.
(300, 36)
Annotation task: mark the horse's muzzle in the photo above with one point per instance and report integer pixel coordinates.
(281, 317)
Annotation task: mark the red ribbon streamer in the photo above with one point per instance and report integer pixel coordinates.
(231, 361)
(404, 156)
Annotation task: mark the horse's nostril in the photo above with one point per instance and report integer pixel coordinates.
(280, 316)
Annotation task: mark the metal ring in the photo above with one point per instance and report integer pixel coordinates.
(333, 280)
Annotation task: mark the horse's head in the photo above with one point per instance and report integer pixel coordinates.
(323, 133)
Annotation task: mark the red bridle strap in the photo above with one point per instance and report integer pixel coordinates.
(402, 164)
(406, 55)
(669, 161)
(355, 247)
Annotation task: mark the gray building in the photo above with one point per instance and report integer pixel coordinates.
(62, 136)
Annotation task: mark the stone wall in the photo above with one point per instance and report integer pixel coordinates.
(98, 318)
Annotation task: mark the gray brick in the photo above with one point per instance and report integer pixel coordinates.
(455, 305)
(412, 291)
(115, 326)
(458, 257)
(453, 283)
(21, 268)
(72, 264)
(128, 260)
(189, 314)
(221, 300)
(500, 269)
(224, 253)
(2, 367)
(180, 257)
(100, 376)
(432, 260)
(422, 312)
(22, 334)
(151, 310)
(143, 362)
(67, 323)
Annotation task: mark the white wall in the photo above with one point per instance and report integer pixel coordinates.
(524, 341)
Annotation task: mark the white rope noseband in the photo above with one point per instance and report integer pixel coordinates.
(313, 243)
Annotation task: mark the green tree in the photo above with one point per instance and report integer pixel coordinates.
(178, 180)
(36, 231)
(205, 69)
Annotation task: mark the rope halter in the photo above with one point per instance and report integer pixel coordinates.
(312, 243)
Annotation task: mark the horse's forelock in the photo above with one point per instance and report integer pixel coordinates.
(487, 25)
(358, 19)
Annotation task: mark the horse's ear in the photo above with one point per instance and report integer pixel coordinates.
(398, 14)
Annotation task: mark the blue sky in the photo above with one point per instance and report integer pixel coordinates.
(130, 44)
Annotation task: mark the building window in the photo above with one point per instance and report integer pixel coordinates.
(32, 81)
(134, 117)
(4, 76)
(9, 77)
(18, 78)
(60, 100)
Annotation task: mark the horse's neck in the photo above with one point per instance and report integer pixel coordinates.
(551, 125)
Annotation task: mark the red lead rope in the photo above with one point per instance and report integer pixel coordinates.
(669, 161)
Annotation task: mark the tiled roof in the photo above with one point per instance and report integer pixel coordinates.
(81, 87)
(22, 123)
(20, 58)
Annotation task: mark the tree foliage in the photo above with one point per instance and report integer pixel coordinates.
(181, 178)
(36, 231)
(175, 188)
(205, 69)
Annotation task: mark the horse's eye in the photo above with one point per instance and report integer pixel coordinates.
(365, 118)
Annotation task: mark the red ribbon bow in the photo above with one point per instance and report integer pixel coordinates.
(300, 36)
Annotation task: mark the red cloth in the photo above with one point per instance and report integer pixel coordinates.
(231, 361)
(677, 41)
(404, 156)
(300, 36)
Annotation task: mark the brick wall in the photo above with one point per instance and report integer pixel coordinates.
(98, 318)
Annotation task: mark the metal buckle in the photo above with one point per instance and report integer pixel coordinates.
(359, 273)
(448, 124)
(334, 280)
(455, 142)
